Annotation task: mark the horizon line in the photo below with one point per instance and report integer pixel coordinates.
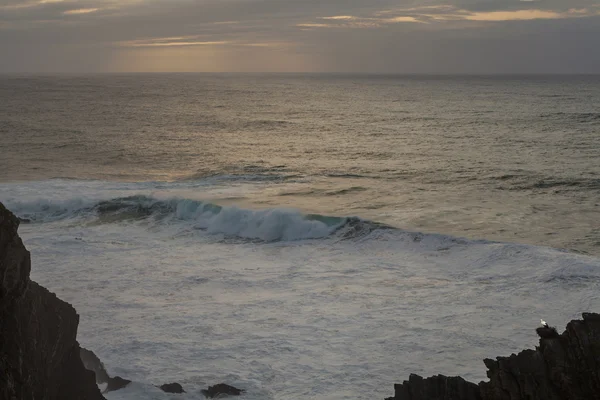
(407, 74)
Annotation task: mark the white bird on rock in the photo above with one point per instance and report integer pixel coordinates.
(544, 324)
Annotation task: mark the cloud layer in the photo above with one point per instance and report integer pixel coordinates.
(463, 36)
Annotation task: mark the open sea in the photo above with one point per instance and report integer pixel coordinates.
(306, 236)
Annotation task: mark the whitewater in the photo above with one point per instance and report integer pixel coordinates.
(282, 304)
(305, 236)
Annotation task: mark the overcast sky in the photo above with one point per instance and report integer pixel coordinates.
(374, 36)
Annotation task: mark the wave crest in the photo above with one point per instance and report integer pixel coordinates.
(276, 224)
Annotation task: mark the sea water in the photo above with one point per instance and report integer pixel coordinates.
(306, 236)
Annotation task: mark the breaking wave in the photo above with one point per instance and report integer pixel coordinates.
(275, 224)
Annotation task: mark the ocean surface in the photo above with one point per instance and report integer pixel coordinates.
(306, 236)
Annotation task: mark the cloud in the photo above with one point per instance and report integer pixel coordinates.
(80, 11)
(444, 13)
(172, 41)
(351, 21)
(45, 10)
(340, 18)
(400, 19)
(328, 35)
(195, 40)
(521, 15)
(317, 26)
(27, 4)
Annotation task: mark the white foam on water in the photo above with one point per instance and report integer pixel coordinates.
(163, 299)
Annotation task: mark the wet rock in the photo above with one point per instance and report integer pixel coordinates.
(93, 363)
(221, 390)
(562, 367)
(39, 353)
(172, 388)
(116, 383)
(547, 332)
(436, 388)
(565, 366)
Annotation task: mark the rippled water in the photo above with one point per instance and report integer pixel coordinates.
(514, 159)
(306, 236)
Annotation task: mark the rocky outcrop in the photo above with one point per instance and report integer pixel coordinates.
(39, 353)
(93, 363)
(172, 388)
(221, 390)
(116, 383)
(437, 387)
(563, 367)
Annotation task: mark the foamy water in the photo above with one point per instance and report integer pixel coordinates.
(282, 304)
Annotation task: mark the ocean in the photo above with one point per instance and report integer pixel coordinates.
(306, 236)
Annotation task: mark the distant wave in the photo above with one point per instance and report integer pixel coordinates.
(591, 117)
(268, 225)
(246, 173)
(581, 183)
(240, 177)
(343, 175)
(324, 192)
(266, 124)
(526, 182)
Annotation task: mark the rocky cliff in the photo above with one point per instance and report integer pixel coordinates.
(39, 353)
(563, 367)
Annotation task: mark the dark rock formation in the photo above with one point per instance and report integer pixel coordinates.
(93, 363)
(547, 332)
(437, 387)
(566, 366)
(116, 383)
(563, 367)
(39, 354)
(172, 388)
(220, 390)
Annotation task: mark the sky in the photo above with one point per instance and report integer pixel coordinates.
(352, 36)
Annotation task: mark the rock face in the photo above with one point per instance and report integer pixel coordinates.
(437, 387)
(563, 367)
(116, 383)
(172, 388)
(39, 353)
(93, 363)
(221, 390)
